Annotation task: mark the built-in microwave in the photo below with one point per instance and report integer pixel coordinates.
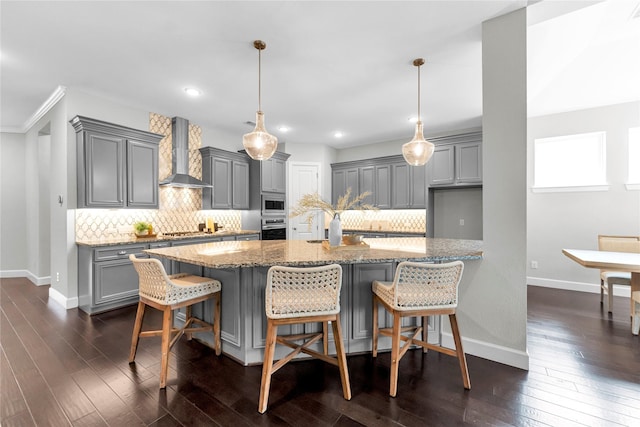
(273, 204)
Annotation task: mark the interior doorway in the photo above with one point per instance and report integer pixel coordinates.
(304, 178)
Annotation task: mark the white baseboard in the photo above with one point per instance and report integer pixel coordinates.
(497, 353)
(38, 281)
(594, 288)
(60, 299)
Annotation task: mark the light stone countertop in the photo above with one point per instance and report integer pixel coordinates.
(131, 238)
(265, 253)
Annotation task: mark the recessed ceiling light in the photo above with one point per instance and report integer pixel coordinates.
(338, 134)
(192, 91)
(284, 129)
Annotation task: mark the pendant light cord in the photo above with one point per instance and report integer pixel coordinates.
(259, 79)
(419, 116)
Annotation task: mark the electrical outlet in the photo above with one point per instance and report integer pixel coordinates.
(461, 221)
(534, 264)
(57, 276)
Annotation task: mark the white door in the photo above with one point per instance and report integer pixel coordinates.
(304, 179)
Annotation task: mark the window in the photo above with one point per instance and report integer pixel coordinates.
(634, 156)
(567, 162)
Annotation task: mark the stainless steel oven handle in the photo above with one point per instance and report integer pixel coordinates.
(274, 226)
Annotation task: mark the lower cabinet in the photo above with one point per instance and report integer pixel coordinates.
(106, 277)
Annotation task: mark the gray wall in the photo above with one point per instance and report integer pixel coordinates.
(13, 221)
(574, 219)
(451, 206)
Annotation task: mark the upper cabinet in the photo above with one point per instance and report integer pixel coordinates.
(117, 166)
(228, 172)
(457, 161)
(390, 180)
(273, 172)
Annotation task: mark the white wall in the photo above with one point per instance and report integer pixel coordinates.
(13, 222)
(574, 219)
(493, 301)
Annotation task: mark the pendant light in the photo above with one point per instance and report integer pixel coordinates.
(259, 144)
(418, 151)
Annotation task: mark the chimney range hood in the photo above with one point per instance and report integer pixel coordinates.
(180, 157)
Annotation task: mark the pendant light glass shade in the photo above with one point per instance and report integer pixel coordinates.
(418, 151)
(259, 144)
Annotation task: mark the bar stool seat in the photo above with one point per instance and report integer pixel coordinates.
(167, 293)
(418, 290)
(302, 295)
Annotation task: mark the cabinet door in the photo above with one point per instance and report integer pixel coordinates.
(104, 170)
(442, 166)
(279, 176)
(383, 187)
(401, 195)
(341, 180)
(418, 187)
(114, 280)
(240, 187)
(367, 183)
(222, 181)
(469, 162)
(142, 175)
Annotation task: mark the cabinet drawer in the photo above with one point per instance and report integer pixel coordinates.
(118, 252)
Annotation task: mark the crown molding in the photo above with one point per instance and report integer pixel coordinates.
(53, 99)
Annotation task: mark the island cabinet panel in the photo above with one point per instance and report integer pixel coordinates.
(360, 332)
(117, 166)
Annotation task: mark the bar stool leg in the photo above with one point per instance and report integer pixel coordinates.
(269, 350)
(216, 323)
(425, 331)
(325, 337)
(342, 358)
(374, 316)
(395, 355)
(460, 351)
(166, 338)
(188, 315)
(137, 327)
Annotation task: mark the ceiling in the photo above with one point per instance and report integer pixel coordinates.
(328, 66)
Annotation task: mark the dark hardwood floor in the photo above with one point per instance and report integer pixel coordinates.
(62, 367)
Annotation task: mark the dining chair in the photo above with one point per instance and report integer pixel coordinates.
(610, 278)
(418, 290)
(302, 295)
(167, 293)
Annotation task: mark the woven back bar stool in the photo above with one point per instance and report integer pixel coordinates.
(418, 290)
(302, 295)
(167, 293)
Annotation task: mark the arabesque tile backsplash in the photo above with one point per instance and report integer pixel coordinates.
(180, 207)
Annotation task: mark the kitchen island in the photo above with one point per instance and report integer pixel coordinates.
(241, 267)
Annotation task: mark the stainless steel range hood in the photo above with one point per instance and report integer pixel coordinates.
(180, 157)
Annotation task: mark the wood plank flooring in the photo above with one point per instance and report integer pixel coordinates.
(61, 367)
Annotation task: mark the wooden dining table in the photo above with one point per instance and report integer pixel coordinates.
(612, 261)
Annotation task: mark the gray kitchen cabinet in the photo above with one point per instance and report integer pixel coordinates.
(106, 277)
(408, 186)
(228, 172)
(456, 164)
(343, 179)
(117, 166)
(377, 181)
(273, 173)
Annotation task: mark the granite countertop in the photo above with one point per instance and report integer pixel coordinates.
(264, 253)
(130, 238)
(380, 230)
